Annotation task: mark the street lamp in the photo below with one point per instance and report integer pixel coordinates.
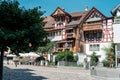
(66, 46)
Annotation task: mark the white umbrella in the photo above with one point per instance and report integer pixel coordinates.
(24, 54)
(11, 55)
(33, 54)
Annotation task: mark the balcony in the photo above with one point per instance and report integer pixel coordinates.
(55, 38)
(63, 48)
(59, 25)
(70, 35)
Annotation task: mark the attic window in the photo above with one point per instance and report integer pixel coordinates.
(60, 24)
(94, 17)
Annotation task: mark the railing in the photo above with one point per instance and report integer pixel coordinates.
(55, 38)
(63, 48)
(63, 63)
(70, 35)
(59, 25)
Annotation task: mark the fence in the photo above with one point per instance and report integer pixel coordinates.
(63, 63)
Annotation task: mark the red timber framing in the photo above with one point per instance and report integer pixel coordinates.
(60, 20)
(97, 27)
(79, 28)
(107, 30)
(63, 34)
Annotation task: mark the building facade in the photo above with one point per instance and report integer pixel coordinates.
(116, 28)
(85, 32)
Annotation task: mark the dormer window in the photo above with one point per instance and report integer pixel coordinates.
(118, 13)
(59, 23)
(60, 18)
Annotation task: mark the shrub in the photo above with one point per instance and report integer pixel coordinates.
(61, 56)
(94, 59)
(76, 58)
(110, 56)
(39, 58)
(105, 63)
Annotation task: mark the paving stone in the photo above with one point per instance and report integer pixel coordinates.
(29, 72)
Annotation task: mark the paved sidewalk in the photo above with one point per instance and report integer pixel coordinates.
(106, 73)
(29, 72)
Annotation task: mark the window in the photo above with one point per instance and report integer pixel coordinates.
(69, 31)
(94, 47)
(99, 34)
(59, 33)
(60, 24)
(53, 33)
(93, 35)
(56, 33)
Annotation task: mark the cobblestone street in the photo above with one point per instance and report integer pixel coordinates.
(29, 72)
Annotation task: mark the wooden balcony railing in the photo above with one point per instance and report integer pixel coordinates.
(62, 48)
(70, 35)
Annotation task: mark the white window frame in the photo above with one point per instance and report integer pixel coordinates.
(94, 47)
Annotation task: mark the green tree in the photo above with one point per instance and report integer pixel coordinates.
(48, 48)
(20, 29)
(94, 59)
(76, 58)
(110, 51)
(110, 55)
(41, 49)
(60, 56)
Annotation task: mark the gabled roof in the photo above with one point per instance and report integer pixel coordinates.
(80, 14)
(115, 9)
(84, 15)
(59, 11)
(49, 22)
(94, 10)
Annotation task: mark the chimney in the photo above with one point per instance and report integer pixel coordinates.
(63, 9)
(86, 8)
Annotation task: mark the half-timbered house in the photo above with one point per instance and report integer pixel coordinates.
(85, 32)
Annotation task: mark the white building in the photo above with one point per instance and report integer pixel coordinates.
(116, 28)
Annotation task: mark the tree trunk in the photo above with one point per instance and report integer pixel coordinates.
(1, 64)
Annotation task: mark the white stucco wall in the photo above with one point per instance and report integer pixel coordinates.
(81, 58)
(101, 52)
(55, 38)
(116, 30)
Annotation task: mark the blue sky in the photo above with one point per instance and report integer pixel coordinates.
(105, 6)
